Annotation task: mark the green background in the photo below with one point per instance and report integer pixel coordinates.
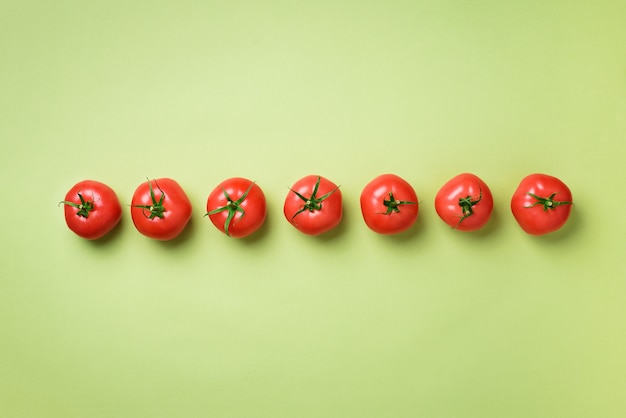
(430, 323)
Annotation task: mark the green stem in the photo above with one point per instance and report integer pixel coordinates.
(156, 209)
(233, 207)
(392, 204)
(467, 206)
(312, 203)
(84, 208)
(547, 202)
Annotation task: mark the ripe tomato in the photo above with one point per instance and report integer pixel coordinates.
(314, 205)
(160, 209)
(535, 206)
(92, 209)
(389, 204)
(464, 202)
(237, 207)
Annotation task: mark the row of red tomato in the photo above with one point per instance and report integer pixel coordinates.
(160, 209)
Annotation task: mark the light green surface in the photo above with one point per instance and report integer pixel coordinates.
(432, 323)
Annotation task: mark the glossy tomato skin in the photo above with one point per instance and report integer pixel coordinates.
(176, 209)
(531, 214)
(252, 209)
(105, 210)
(478, 202)
(314, 222)
(389, 204)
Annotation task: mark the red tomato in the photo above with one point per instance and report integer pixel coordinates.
(91, 209)
(314, 205)
(389, 204)
(464, 202)
(160, 209)
(541, 204)
(237, 207)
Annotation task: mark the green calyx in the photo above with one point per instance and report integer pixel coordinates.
(547, 202)
(392, 204)
(312, 203)
(156, 209)
(84, 207)
(467, 206)
(233, 207)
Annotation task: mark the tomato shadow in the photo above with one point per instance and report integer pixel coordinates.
(258, 235)
(112, 236)
(184, 237)
(492, 226)
(572, 227)
(489, 230)
(338, 231)
(404, 237)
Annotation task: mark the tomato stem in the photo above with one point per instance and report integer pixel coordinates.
(84, 208)
(233, 207)
(392, 204)
(547, 202)
(467, 205)
(156, 209)
(312, 203)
